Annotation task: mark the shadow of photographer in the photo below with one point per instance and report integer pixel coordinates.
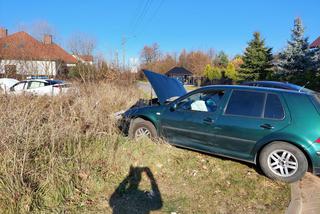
(128, 198)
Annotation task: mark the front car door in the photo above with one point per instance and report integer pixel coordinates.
(248, 117)
(18, 88)
(190, 123)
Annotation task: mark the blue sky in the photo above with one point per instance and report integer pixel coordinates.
(173, 24)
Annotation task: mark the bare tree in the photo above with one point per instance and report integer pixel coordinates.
(166, 63)
(21, 26)
(183, 58)
(81, 44)
(41, 28)
(211, 54)
(150, 54)
(196, 61)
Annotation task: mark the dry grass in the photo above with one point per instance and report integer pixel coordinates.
(42, 142)
(64, 154)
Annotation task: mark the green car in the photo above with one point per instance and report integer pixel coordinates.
(277, 129)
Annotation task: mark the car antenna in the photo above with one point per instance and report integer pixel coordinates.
(303, 86)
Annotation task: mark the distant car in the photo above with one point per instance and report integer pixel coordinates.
(277, 129)
(275, 84)
(6, 83)
(40, 87)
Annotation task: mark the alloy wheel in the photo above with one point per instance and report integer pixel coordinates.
(142, 132)
(282, 163)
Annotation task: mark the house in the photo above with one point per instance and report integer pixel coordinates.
(85, 59)
(21, 54)
(316, 43)
(181, 74)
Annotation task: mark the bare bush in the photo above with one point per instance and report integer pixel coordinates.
(102, 72)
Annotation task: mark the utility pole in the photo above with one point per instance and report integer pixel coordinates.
(123, 43)
(117, 59)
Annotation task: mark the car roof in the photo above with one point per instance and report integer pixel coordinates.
(277, 84)
(38, 80)
(262, 89)
(50, 81)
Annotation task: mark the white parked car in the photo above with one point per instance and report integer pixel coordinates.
(40, 87)
(6, 83)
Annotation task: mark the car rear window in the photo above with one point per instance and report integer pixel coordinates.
(315, 98)
(246, 103)
(53, 82)
(273, 108)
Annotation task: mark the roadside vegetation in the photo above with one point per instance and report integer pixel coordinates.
(65, 154)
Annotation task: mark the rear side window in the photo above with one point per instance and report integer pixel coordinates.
(315, 98)
(246, 103)
(273, 109)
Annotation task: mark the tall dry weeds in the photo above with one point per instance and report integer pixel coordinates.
(42, 141)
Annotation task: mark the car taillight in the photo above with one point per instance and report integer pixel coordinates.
(317, 140)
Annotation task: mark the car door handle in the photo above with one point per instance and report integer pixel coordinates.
(266, 126)
(208, 121)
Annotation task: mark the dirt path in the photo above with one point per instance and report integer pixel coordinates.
(310, 194)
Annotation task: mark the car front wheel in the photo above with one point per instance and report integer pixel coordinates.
(283, 161)
(142, 128)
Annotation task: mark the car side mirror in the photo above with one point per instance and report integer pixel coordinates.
(173, 107)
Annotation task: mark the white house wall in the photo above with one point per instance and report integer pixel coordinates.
(31, 67)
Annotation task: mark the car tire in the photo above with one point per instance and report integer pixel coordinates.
(283, 161)
(142, 128)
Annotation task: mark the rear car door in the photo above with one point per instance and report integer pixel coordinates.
(248, 117)
(36, 87)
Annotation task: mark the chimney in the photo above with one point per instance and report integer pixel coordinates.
(3, 32)
(47, 39)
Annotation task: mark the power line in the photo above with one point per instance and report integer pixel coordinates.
(136, 14)
(156, 11)
(142, 15)
(137, 21)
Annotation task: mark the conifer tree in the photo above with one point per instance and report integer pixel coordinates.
(257, 60)
(297, 60)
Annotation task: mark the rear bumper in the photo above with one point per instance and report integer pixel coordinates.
(314, 154)
(316, 171)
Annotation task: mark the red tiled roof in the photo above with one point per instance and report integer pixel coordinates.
(316, 43)
(23, 46)
(87, 58)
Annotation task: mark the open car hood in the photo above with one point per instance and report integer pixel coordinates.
(165, 87)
